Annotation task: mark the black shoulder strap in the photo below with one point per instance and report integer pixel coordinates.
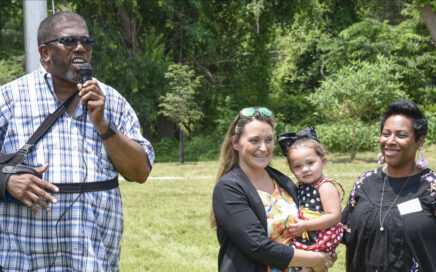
(46, 125)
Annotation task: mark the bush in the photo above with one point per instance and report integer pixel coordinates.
(199, 148)
(336, 137)
(11, 69)
(430, 138)
(202, 148)
(166, 150)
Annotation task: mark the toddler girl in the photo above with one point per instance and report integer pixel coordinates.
(318, 196)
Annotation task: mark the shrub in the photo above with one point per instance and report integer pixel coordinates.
(10, 70)
(358, 93)
(335, 137)
(199, 148)
(430, 138)
(166, 150)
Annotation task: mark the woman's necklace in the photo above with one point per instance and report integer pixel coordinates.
(396, 198)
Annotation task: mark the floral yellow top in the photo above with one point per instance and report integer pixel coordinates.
(281, 210)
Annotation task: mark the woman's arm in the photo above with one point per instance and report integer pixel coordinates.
(332, 212)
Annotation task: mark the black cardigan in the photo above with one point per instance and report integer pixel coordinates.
(242, 224)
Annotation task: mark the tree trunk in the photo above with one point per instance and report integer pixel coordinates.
(429, 18)
(129, 24)
(353, 150)
(181, 145)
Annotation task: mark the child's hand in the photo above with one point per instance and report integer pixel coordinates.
(298, 228)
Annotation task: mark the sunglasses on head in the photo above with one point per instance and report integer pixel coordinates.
(71, 42)
(249, 112)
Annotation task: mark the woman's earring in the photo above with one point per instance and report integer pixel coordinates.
(422, 162)
(381, 158)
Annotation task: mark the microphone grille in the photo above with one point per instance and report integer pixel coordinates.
(85, 69)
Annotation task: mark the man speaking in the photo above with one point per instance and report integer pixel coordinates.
(67, 215)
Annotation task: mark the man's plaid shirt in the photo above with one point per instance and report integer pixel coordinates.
(88, 237)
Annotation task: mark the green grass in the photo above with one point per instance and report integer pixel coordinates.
(166, 224)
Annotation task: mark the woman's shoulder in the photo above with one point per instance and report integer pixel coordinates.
(368, 175)
(362, 180)
(235, 177)
(230, 176)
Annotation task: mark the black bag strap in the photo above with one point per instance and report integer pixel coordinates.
(45, 126)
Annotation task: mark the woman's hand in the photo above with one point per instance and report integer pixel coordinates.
(324, 262)
(318, 261)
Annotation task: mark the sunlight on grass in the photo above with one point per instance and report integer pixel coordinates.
(166, 224)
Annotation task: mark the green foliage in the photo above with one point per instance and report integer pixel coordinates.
(11, 69)
(430, 138)
(11, 29)
(359, 91)
(202, 148)
(179, 103)
(249, 53)
(381, 10)
(198, 148)
(130, 54)
(356, 93)
(298, 68)
(408, 45)
(424, 2)
(336, 137)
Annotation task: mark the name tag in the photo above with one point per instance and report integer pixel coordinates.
(410, 206)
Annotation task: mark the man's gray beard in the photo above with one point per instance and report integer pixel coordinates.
(72, 77)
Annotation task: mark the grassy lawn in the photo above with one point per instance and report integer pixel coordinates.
(166, 219)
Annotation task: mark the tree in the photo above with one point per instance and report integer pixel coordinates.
(179, 103)
(427, 10)
(358, 92)
(407, 45)
(297, 68)
(11, 29)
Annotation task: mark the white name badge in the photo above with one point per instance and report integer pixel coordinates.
(410, 206)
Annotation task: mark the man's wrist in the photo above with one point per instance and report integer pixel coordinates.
(111, 130)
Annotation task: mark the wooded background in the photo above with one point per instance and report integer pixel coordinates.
(194, 64)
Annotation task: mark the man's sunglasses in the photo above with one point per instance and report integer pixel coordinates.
(71, 42)
(249, 112)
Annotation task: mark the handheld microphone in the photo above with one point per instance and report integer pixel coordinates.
(85, 72)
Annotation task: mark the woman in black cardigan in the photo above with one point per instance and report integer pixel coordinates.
(238, 210)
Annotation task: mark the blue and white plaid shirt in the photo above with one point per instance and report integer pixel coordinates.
(88, 237)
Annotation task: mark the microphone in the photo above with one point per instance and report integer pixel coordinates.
(85, 72)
